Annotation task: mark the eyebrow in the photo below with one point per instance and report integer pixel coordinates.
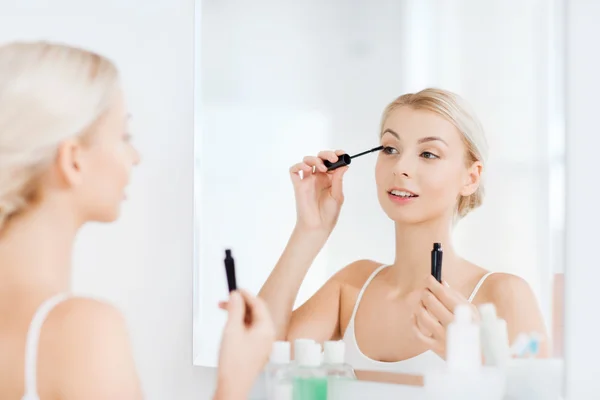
(422, 140)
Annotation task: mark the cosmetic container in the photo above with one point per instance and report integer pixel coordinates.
(309, 378)
(494, 337)
(336, 369)
(300, 346)
(334, 361)
(464, 376)
(278, 373)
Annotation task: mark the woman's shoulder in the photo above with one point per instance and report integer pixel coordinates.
(90, 339)
(504, 289)
(76, 314)
(356, 273)
(81, 326)
(516, 303)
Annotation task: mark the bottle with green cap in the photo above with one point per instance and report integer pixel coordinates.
(310, 379)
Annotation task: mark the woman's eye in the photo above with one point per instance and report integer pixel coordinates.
(390, 150)
(427, 154)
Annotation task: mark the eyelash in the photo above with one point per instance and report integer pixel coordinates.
(388, 149)
(430, 156)
(433, 156)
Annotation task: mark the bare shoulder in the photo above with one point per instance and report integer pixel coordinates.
(356, 274)
(501, 288)
(512, 295)
(96, 359)
(78, 317)
(81, 309)
(517, 304)
(351, 280)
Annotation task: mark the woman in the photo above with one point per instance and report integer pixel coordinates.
(394, 318)
(65, 159)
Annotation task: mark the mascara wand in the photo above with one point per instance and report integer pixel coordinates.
(345, 159)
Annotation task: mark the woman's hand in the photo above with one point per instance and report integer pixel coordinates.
(319, 195)
(436, 312)
(245, 346)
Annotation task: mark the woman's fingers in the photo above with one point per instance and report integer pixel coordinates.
(315, 162)
(422, 328)
(294, 169)
(337, 190)
(257, 307)
(436, 308)
(311, 164)
(429, 324)
(330, 156)
(236, 309)
(446, 295)
(427, 339)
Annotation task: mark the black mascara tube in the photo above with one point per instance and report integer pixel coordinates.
(232, 284)
(346, 159)
(436, 261)
(230, 271)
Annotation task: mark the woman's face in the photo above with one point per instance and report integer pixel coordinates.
(106, 161)
(422, 170)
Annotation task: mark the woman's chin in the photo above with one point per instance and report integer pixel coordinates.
(108, 214)
(407, 219)
(406, 216)
(417, 217)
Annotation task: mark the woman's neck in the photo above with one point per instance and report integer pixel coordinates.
(36, 250)
(414, 243)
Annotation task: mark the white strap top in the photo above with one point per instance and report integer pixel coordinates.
(418, 364)
(31, 346)
(478, 286)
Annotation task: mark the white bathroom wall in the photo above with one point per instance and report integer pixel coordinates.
(582, 347)
(143, 263)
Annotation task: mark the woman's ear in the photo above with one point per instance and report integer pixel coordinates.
(472, 179)
(69, 162)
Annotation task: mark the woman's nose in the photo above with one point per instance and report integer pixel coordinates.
(404, 166)
(137, 158)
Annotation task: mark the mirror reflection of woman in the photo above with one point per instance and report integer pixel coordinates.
(394, 317)
(65, 159)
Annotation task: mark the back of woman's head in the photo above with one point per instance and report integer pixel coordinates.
(48, 93)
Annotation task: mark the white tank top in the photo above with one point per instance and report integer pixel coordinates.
(418, 364)
(31, 346)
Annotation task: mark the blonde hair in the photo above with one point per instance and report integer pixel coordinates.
(48, 93)
(455, 110)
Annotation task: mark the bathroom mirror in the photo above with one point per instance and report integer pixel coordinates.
(278, 80)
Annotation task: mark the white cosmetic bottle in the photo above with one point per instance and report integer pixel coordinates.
(494, 337)
(278, 373)
(464, 376)
(336, 369)
(463, 344)
(334, 361)
(300, 347)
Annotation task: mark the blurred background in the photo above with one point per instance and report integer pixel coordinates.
(280, 80)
